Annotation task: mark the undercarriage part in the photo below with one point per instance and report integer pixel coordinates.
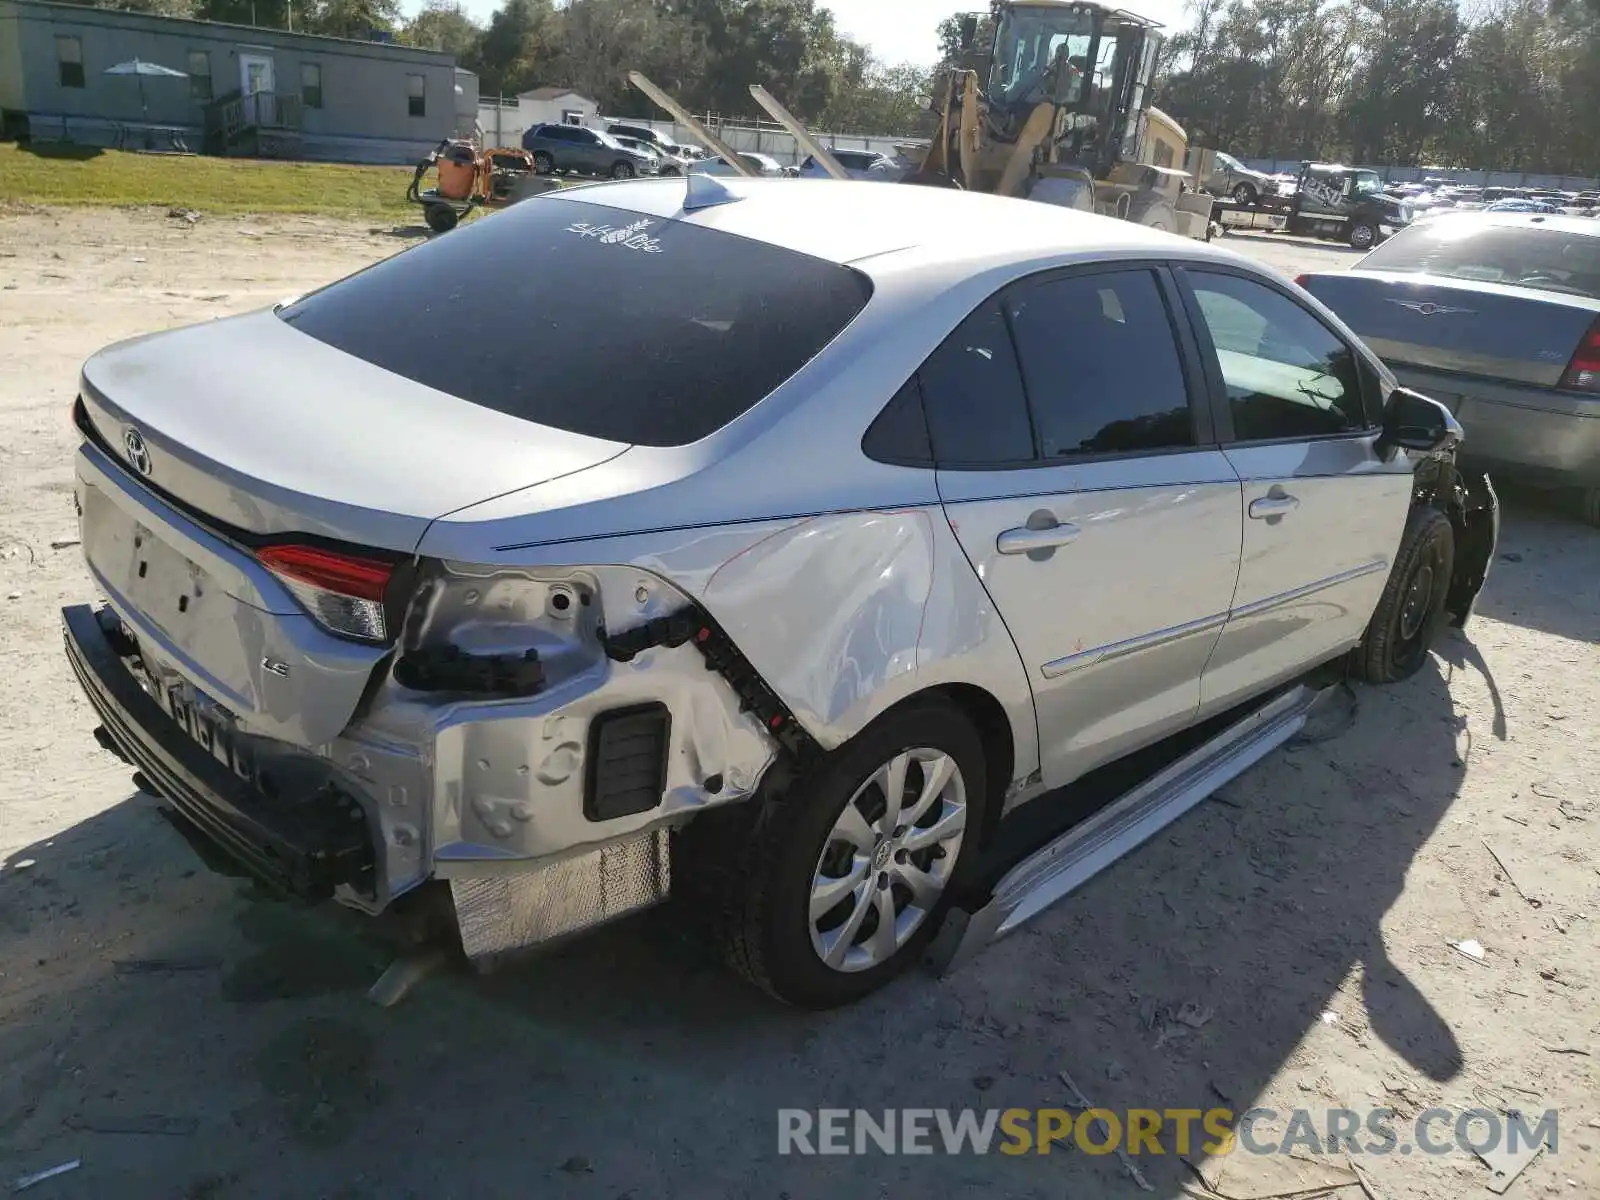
(627, 761)
(505, 913)
(723, 657)
(449, 668)
(1056, 870)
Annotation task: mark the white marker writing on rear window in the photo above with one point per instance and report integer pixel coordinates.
(632, 236)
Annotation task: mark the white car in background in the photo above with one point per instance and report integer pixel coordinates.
(861, 164)
(762, 164)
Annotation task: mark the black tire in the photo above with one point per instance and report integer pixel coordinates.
(543, 163)
(1363, 235)
(1245, 193)
(747, 876)
(441, 218)
(622, 170)
(670, 171)
(1410, 612)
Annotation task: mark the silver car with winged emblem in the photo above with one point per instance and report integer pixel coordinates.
(1496, 315)
(964, 498)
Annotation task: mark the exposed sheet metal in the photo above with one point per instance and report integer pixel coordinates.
(561, 897)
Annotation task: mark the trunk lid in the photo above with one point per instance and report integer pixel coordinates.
(264, 429)
(1514, 334)
(207, 439)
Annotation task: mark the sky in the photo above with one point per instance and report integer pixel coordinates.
(895, 30)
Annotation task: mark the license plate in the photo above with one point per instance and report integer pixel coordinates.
(209, 726)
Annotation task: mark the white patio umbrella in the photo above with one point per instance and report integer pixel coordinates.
(138, 68)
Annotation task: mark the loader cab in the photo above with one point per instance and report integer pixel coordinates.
(1092, 64)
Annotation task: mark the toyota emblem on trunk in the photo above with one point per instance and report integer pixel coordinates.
(138, 452)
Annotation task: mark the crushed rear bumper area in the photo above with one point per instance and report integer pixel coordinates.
(305, 844)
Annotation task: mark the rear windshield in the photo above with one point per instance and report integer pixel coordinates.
(1549, 260)
(591, 319)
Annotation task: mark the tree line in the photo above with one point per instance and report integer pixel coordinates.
(1512, 84)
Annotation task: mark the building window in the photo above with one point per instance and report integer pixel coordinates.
(69, 60)
(311, 85)
(417, 95)
(571, 116)
(199, 76)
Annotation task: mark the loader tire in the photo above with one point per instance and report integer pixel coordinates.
(1411, 611)
(749, 872)
(441, 218)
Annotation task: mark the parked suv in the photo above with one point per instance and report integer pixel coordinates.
(545, 631)
(861, 164)
(583, 151)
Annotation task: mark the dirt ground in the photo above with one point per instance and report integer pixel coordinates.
(1288, 944)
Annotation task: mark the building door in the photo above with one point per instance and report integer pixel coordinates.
(255, 78)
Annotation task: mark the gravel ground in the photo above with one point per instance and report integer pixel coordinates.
(1288, 944)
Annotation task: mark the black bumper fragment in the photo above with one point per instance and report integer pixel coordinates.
(305, 845)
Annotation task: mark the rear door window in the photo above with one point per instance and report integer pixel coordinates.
(1101, 365)
(972, 391)
(591, 319)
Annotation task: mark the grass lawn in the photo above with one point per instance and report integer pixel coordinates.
(60, 174)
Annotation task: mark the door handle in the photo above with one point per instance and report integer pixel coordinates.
(1272, 506)
(1024, 540)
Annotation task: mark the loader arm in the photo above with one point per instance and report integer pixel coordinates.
(1040, 121)
(802, 135)
(684, 117)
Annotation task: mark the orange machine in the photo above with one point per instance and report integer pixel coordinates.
(466, 178)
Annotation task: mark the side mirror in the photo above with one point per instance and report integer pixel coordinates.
(1412, 421)
(969, 30)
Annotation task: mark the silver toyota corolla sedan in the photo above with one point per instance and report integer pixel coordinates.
(953, 500)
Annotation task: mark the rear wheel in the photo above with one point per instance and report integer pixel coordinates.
(622, 170)
(836, 887)
(1410, 612)
(543, 163)
(441, 218)
(1363, 234)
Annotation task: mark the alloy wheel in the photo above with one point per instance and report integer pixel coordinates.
(888, 859)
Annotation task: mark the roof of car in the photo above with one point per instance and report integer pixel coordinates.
(846, 222)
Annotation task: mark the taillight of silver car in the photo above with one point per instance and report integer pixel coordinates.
(343, 593)
(1583, 372)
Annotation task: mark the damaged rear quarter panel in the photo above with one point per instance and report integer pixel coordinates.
(843, 614)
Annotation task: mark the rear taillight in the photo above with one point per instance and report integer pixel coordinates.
(1302, 280)
(1583, 372)
(344, 593)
